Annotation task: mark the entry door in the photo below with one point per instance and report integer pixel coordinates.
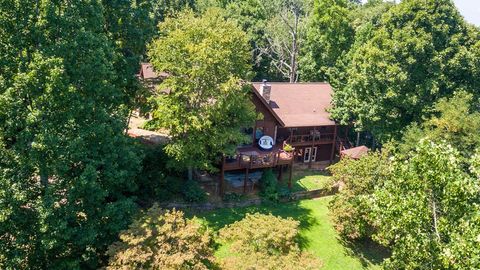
(314, 154)
(307, 155)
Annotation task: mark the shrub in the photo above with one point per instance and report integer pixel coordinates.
(286, 194)
(351, 208)
(162, 239)
(269, 186)
(232, 197)
(192, 192)
(265, 242)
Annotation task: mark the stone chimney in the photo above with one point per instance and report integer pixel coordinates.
(265, 90)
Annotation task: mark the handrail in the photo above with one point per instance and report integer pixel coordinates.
(310, 137)
(271, 159)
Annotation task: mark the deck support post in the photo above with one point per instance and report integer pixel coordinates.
(290, 175)
(280, 173)
(333, 144)
(222, 178)
(245, 181)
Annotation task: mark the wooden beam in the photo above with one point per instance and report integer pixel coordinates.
(311, 149)
(333, 144)
(290, 176)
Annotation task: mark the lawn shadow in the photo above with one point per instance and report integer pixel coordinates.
(366, 250)
(220, 218)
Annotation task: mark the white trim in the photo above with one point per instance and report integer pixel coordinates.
(305, 159)
(313, 156)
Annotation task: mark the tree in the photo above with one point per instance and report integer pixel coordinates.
(329, 37)
(265, 242)
(284, 34)
(428, 211)
(358, 179)
(456, 121)
(66, 168)
(162, 239)
(207, 57)
(276, 29)
(422, 51)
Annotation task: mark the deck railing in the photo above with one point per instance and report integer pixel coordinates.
(241, 161)
(321, 137)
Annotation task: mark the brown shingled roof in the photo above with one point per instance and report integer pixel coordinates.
(147, 72)
(300, 104)
(356, 152)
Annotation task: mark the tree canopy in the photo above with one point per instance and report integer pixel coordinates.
(265, 242)
(65, 164)
(329, 37)
(421, 51)
(428, 211)
(206, 57)
(162, 239)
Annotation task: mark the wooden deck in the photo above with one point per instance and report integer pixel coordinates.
(254, 158)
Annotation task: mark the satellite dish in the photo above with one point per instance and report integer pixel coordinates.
(265, 142)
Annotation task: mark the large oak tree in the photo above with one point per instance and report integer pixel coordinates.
(420, 51)
(206, 57)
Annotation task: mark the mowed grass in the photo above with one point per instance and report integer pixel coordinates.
(303, 180)
(317, 234)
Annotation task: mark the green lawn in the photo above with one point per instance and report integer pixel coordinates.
(308, 180)
(317, 234)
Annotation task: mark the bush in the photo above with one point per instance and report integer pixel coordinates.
(351, 208)
(162, 240)
(286, 194)
(192, 192)
(265, 242)
(269, 186)
(232, 197)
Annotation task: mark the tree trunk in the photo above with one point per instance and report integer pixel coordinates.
(293, 56)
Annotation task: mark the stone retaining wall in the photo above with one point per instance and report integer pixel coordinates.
(294, 196)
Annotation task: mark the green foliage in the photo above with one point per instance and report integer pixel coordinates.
(192, 192)
(456, 122)
(162, 240)
(419, 52)
(206, 57)
(156, 181)
(358, 179)
(233, 197)
(287, 147)
(329, 37)
(428, 211)
(265, 242)
(269, 186)
(66, 165)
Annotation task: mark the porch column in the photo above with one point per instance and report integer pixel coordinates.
(280, 173)
(311, 149)
(290, 175)
(333, 144)
(245, 181)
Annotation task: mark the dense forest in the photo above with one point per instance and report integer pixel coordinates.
(406, 74)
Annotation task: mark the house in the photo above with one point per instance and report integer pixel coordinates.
(294, 114)
(290, 115)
